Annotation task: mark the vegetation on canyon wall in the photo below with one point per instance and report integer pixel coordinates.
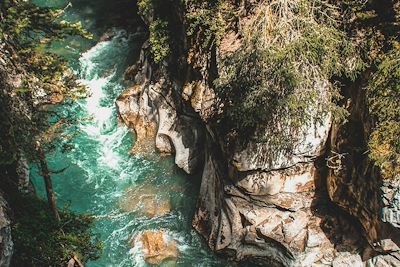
(383, 98)
(159, 30)
(159, 40)
(31, 80)
(373, 27)
(290, 51)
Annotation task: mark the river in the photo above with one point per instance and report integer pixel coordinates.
(100, 169)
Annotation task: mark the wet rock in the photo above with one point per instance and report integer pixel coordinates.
(158, 247)
(130, 111)
(146, 200)
(159, 127)
(107, 36)
(392, 259)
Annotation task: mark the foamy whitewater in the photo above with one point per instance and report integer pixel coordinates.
(101, 170)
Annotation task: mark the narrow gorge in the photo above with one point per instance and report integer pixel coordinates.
(211, 133)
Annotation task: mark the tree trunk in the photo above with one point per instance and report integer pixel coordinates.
(49, 186)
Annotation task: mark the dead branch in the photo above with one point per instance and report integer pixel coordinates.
(335, 162)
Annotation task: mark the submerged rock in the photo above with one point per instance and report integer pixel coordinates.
(157, 247)
(146, 200)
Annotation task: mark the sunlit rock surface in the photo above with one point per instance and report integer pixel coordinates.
(153, 109)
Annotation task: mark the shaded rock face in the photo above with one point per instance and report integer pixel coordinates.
(6, 243)
(157, 247)
(355, 184)
(279, 204)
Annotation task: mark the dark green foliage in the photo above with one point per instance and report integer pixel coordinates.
(158, 16)
(159, 40)
(253, 87)
(374, 27)
(207, 21)
(383, 94)
(41, 241)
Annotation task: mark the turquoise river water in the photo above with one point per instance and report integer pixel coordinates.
(100, 167)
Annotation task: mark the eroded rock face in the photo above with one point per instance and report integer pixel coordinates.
(135, 112)
(259, 207)
(277, 203)
(157, 247)
(153, 108)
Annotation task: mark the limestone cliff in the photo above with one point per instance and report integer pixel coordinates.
(316, 200)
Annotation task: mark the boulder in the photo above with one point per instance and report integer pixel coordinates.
(157, 247)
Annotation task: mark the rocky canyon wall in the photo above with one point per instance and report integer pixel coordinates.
(316, 200)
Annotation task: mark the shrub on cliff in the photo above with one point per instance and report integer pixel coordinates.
(159, 40)
(383, 95)
(374, 27)
(290, 51)
(207, 21)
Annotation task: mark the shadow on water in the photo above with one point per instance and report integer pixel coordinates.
(100, 18)
(99, 15)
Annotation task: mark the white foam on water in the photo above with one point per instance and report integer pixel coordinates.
(136, 255)
(107, 169)
(110, 143)
(89, 66)
(102, 116)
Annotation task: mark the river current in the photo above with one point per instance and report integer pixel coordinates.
(100, 171)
